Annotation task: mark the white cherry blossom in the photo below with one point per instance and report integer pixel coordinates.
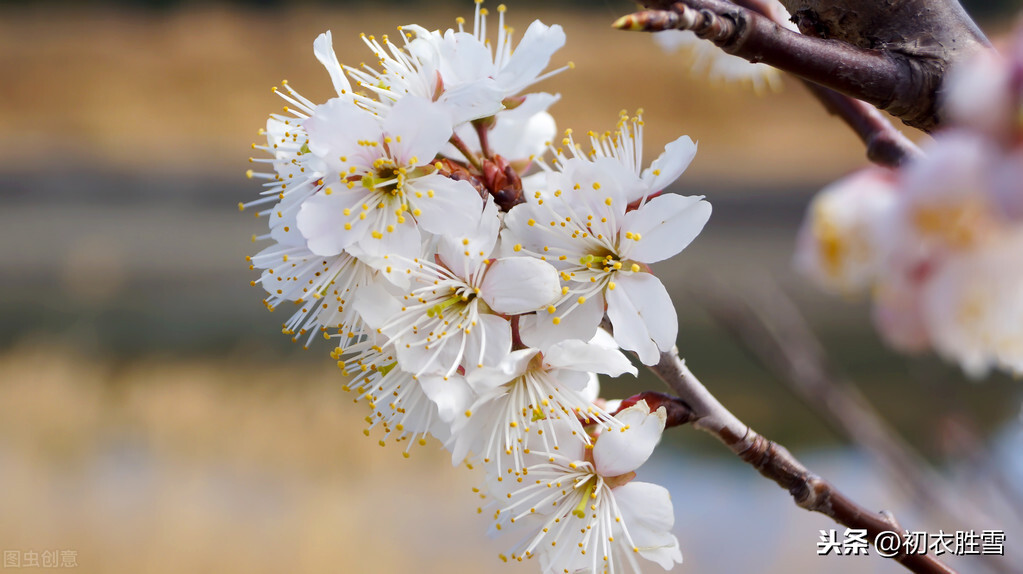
(321, 287)
(624, 145)
(526, 393)
(407, 407)
(382, 186)
(973, 308)
(578, 508)
(471, 57)
(706, 59)
(297, 172)
(455, 314)
(580, 224)
(937, 240)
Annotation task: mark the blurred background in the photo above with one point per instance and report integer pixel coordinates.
(154, 419)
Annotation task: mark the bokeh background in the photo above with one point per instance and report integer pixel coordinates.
(154, 419)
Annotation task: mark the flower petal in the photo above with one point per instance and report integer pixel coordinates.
(323, 48)
(335, 130)
(513, 365)
(463, 254)
(419, 129)
(488, 342)
(648, 514)
(669, 165)
(322, 222)
(517, 136)
(619, 451)
(375, 305)
(845, 237)
(539, 330)
(516, 285)
(452, 395)
(530, 57)
(446, 206)
(582, 356)
(642, 315)
(403, 241)
(665, 225)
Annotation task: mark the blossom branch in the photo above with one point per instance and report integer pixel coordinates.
(776, 334)
(896, 78)
(886, 145)
(775, 462)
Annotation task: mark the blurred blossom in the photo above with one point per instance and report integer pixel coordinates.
(840, 244)
(939, 240)
(707, 59)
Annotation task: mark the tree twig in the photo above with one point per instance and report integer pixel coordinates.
(885, 145)
(898, 78)
(774, 332)
(774, 461)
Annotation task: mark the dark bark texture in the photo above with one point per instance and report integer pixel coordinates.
(893, 54)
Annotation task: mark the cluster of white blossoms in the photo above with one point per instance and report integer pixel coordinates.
(462, 265)
(940, 241)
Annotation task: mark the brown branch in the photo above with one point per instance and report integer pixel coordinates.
(774, 461)
(774, 332)
(897, 79)
(885, 145)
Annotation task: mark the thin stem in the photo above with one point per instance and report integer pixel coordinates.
(468, 153)
(482, 129)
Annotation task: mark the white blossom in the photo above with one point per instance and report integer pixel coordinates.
(706, 59)
(937, 240)
(405, 406)
(843, 243)
(382, 185)
(973, 308)
(322, 288)
(578, 508)
(453, 317)
(526, 393)
(582, 223)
